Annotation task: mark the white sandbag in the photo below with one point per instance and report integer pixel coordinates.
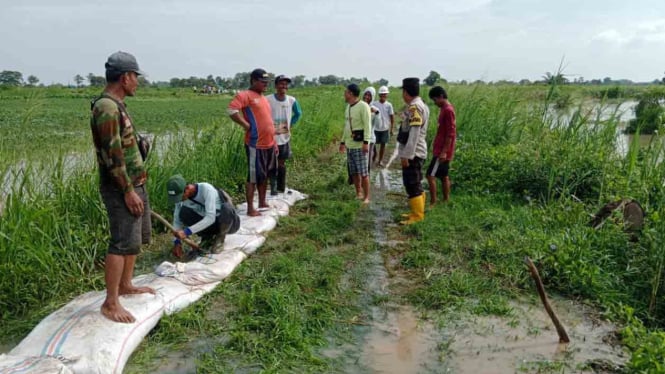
(245, 243)
(256, 225)
(78, 339)
(93, 344)
(203, 270)
(279, 207)
(293, 196)
(32, 365)
(175, 295)
(290, 196)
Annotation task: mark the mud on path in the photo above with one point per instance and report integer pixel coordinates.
(395, 338)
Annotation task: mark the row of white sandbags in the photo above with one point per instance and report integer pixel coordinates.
(78, 339)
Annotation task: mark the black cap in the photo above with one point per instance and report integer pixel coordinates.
(123, 62)
(260, 74)
(282, 77)
(410, 82)
(354, 89)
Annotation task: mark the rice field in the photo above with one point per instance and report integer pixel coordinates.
(522, 185)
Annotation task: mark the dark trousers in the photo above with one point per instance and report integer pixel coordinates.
(189, 217)
(412, 176)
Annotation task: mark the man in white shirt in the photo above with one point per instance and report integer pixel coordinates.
(286, 112)
(385, 127)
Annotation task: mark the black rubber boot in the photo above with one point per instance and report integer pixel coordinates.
(218, 245)
(281, 179)
(273, 185)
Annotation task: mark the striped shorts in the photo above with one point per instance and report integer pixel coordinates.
(357, 161)
(260, 162)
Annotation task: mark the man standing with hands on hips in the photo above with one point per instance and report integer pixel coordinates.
(412, 147)
(256, 120)
(122, 178)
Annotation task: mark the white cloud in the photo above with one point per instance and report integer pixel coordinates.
(635, 34)
(464, 6)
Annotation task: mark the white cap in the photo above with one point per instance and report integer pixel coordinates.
(383, 90)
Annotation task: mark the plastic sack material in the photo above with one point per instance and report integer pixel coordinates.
(78, 339)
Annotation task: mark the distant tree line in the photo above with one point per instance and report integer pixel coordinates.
(15, 78)
(241, 80)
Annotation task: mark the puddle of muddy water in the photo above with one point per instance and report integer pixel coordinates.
(393, 338)
(528, 342)
(400, 342)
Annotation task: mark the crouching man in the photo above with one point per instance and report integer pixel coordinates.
(202, 209)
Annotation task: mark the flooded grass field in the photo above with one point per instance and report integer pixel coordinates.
(341, 287)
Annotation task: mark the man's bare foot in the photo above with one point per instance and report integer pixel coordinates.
(117, 313)
(253, 213)
(131, 290)
(366, 201)
(360, 196)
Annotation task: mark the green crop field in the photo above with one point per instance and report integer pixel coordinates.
(523, 185)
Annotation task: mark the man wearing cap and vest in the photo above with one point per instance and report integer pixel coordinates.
(385, 127)
(355, 140)
(412, 147)
(260, 147)
(285, 113)
(122, 177)
(202, 209)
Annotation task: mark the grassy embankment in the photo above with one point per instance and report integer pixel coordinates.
(520, 188)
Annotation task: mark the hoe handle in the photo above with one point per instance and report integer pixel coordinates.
(170, 227)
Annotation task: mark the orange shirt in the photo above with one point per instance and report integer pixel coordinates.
(255, 109)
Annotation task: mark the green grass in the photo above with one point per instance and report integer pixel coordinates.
(522, 186)
(277, 309)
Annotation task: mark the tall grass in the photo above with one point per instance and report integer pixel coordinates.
(53, 229)
(567, 165)
(524, 184)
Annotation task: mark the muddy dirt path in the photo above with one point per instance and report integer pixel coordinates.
(398, 339)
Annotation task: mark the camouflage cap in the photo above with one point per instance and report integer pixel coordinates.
(123, 62)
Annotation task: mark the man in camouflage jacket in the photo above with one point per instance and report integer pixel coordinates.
(122, 177)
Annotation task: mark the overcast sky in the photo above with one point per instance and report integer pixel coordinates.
(461, 39)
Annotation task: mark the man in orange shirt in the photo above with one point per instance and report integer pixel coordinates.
(256, 120)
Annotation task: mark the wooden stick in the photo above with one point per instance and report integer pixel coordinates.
(563, 336)
(173, 229)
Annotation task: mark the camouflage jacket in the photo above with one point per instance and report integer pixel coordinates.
(118, 157)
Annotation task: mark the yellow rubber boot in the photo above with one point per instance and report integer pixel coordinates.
(417, 205)
(408, 215)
